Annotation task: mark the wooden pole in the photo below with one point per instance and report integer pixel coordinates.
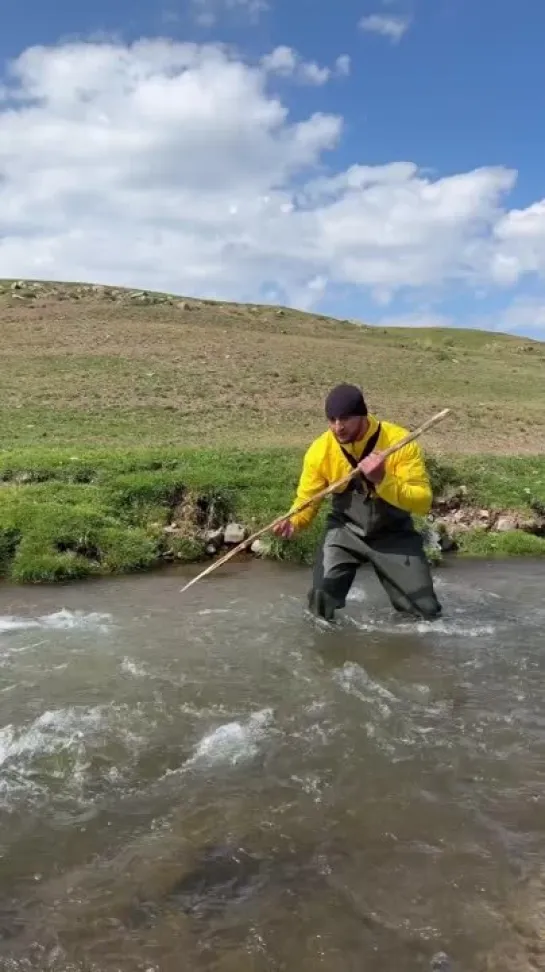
(315, 499)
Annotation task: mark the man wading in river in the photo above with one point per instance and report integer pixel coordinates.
(370, 520)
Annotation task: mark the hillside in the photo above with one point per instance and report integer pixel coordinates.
(98, 366)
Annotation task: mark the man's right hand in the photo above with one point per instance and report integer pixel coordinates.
(284, 529)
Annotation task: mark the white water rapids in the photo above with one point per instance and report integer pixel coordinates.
(221, 777)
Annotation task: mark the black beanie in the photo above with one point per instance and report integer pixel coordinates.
(344, 401)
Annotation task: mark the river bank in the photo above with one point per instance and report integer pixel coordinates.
(67, 514)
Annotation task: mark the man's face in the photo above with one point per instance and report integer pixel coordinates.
(348, 429)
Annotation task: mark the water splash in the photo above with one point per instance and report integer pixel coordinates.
(205, 612)
(129, 667)
(353, 678)
(59, 621)
(440, 627)
(357, 594)
(49, 733)
(49, 752)
(233, 742)
(52, 759)
(396, 724)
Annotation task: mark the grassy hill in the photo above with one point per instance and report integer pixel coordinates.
(133, 422)
(104, 366)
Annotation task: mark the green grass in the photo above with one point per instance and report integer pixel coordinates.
(503, 481)
(124, 410)
(514, 543)
(65, 516)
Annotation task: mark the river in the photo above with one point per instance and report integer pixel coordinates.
(215, 781)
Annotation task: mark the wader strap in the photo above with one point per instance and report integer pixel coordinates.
(367, 450)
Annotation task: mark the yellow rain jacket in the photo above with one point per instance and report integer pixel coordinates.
(406, 484)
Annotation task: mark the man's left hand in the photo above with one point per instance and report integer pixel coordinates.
(373, 467)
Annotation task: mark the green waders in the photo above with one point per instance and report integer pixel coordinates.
(360, 529)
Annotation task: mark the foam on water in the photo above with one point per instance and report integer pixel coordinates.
(357, 594)
(310, 784)
(58, 737)
(50, 732)
(233, 742)
(52, 759)
(59, 620)
(468, 612)
(440, 627)
(9, 623)
(129, 667)
(354, 680)
(394, 723)
(201, 717)
(205, 612)
(381, 621)
(352, 672)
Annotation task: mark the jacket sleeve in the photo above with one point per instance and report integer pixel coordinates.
(311, 481)
(406, 483)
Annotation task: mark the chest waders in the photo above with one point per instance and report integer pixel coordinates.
(362, 529)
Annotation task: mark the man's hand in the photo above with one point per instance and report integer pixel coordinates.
(284, 529)
(373, 468)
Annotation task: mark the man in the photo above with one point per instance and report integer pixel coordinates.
(370, 520)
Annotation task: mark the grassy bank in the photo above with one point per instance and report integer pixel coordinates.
(96, 367)
(68, 514)
(100, 386)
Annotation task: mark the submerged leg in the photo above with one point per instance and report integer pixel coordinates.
(401, 565)
(335, 566)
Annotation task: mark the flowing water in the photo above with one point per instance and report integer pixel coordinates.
(215, 781)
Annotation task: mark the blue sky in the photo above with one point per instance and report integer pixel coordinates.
(452, 87)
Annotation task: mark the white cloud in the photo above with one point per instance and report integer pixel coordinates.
(176, 166)
(391, 227)
(286, 62)
(525, 315)
(207, 12)
(343, 65)
(282, 60)
(522, 315)
(392, 26)
(520, 235)
(312, 73)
